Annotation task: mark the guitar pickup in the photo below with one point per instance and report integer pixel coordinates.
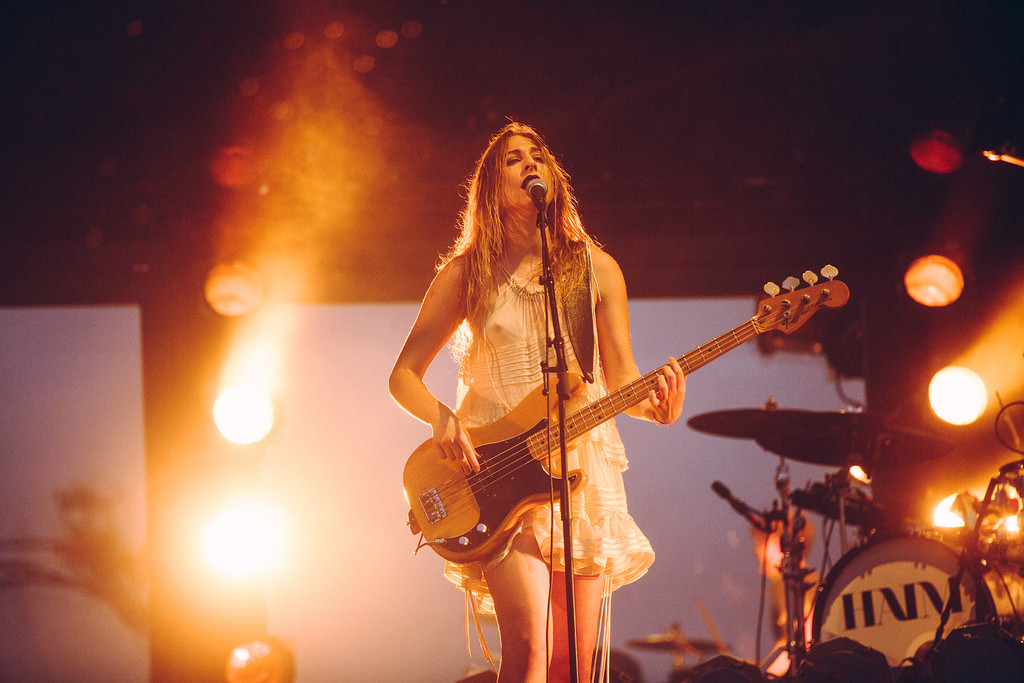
(432, 506)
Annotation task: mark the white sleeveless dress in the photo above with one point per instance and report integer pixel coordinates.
(502, 366)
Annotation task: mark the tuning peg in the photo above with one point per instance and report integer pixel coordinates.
(790, 283)
(809, 277)
(830, 271)
(771, 289)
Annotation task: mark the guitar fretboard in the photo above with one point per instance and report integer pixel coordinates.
(604, 409)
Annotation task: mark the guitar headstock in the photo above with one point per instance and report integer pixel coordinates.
(788, 311)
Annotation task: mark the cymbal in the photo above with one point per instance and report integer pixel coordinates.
(823, 438)
(674, 642)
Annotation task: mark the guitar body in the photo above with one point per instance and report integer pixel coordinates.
(464, 518)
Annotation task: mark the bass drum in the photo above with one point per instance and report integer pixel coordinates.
(889, 595)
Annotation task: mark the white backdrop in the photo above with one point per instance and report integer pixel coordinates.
(353, 600)
(71, 419)
(359, 606)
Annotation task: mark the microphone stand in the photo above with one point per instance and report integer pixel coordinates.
(561, 371)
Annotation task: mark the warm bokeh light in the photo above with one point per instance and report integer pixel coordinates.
(412, 29)
(266, 660)
(244, 413)
(996, 352)
(934, 280)
(1004, 155)
(937, 151)
(247, 540)
(945, 517)
(334, 30)
(387, 39)
(363, 64)
(233, 289)
(858, 473)
(957, 395)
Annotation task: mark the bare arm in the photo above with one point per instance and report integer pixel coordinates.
(440, 314)
(664, 405)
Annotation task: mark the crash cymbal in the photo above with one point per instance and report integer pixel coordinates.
(823, 438)
(674, 642)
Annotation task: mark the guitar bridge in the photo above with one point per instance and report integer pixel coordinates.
(432, 506)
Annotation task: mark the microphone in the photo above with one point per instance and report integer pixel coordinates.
(747, 512)
(537, 189)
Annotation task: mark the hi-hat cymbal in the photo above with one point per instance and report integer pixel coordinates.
(824, 438)
(674, 642)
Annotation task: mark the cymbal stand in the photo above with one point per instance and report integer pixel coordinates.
(971, 562)
(791, 543)
(839, 483)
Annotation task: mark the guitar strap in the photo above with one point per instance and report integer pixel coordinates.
(579, 306)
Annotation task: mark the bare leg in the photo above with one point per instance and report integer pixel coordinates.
(519, 586)
(587, 591)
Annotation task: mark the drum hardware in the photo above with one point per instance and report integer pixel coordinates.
(1006, 428)
(794, 574)
(791, 546)
(981, 544)
(837, 499)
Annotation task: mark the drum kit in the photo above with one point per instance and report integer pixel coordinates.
(898, 606)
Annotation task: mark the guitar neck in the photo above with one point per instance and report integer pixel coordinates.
(638, 390)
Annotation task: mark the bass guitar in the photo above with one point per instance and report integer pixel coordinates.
(465, 517)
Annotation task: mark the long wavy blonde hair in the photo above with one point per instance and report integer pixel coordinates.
(482, 237)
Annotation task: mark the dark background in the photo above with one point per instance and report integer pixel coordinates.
(713, 147)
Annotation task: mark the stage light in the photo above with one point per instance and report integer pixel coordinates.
(858, 473)
(244, 413)
(937, 151)
(946, 514)
(957, 395)
(246, 540)
(1008, 155)
(934, 280)
(233, 289)
(266, 660)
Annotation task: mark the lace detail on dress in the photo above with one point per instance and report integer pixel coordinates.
(528, 289)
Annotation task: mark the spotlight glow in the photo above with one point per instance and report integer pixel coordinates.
(945, 517)
(244, 413)
(246, 540)
(233, 289)
(858, 473)
(937, 151)
(957, 395)
(934, 281)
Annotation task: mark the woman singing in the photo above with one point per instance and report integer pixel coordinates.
(487, 299)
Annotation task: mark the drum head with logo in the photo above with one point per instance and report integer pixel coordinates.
(889, 595)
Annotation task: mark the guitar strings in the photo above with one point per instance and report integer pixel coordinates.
(507, 462)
